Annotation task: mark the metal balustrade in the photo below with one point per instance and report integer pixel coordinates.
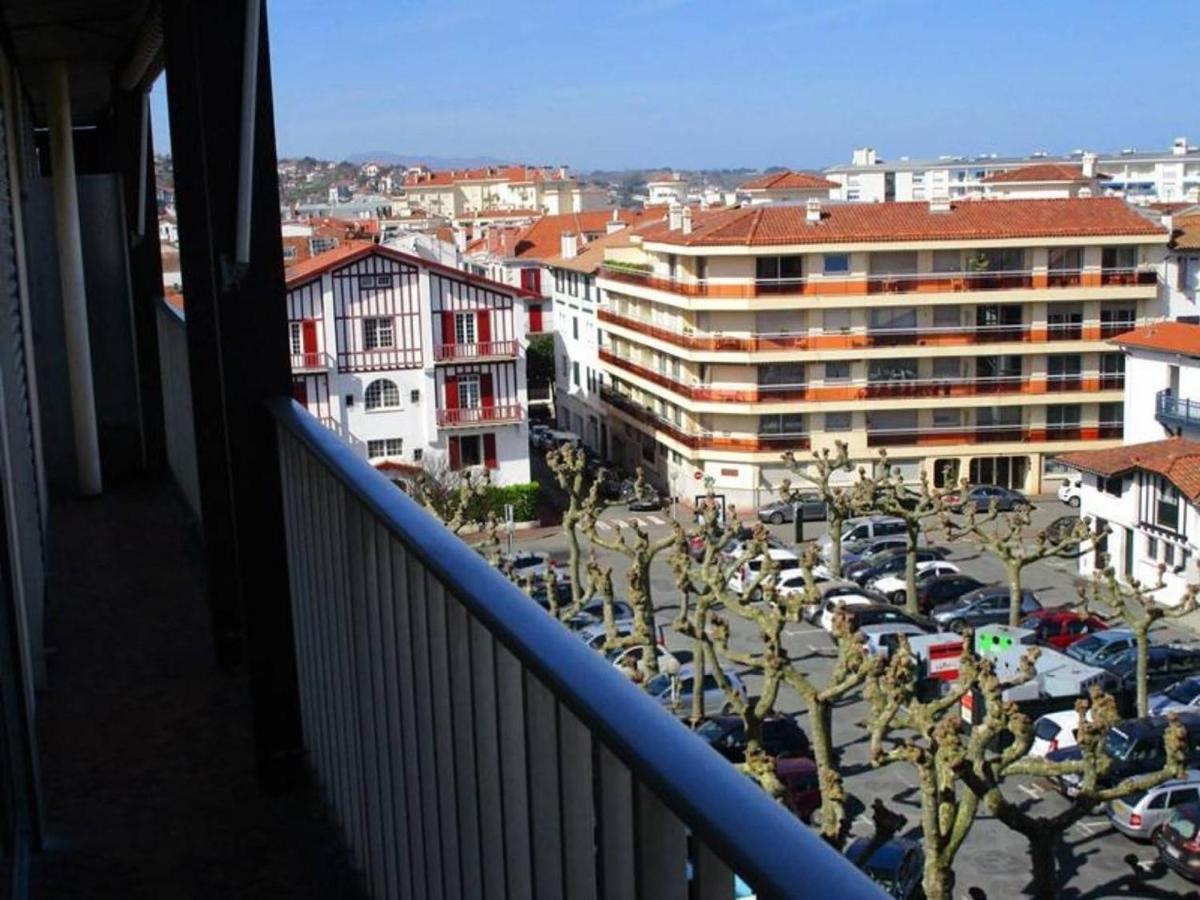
(1176, 411)
(178, 424)
(471, 746)
(311, 362)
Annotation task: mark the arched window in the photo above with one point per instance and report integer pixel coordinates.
(382, 394)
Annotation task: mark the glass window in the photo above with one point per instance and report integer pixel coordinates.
(838, 370)
(381, 394)
(834, 320)
(1063, 259)
(947, 260)
(837, 421)
(781, 373)
(1119, 257)
(947, 316)
(378, 333)
(468, 391)
(464, 328)
(296, 337)
(836, 263)
(470, 450)
(377, 449)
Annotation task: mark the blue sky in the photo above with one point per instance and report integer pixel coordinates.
(726, 83)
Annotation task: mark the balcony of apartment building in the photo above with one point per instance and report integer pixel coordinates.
(475, 351)
(238, 661)
(1000, 425)
(1175, 412)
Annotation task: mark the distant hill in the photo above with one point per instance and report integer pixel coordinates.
(433, 162)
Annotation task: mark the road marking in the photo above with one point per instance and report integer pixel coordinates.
(1031, 791)
(796, 631)
(638, 523)
(604, 526)
(657, 521)
(619, 523)
(1148, 864)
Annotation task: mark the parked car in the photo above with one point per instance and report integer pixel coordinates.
(592, 612)
(781, 736)
(867, 570)
(648, 502)
(801, 786)
(869, 548)
(630, 658)
(527, 563)
(563, 439)
(740, 545)
(794, 582)
(860, 528)
(1181, 696)
(896, 866)
(1071, 490)
(618, 488)
(831, 606)
(860, 616)
(785, 560)
(1060, 628)
(942, 589)
(1098, 648)
(1135, 747)
(1166, 664)
(981, 497)
(1060, 528)
(828, 590)
(1140, 814)
(595, 634)
(1178, 841)
(812, 508)
(883, 639)
(674, 692)
(1054, 731)
(984, 606)
(894, 585)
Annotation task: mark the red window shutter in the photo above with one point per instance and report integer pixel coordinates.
(489, 451)
(483, 326)
(535, 317)
(451, 392)
(447, 328)
(455, 455)
(300, 391)
(308, 335)
(485, 390)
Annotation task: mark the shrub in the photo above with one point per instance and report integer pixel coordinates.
(523, 497)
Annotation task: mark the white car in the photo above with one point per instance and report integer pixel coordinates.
(674, 692)
(1070, 491)
(785, 560)
(882, 639)
(895, 588)
(833, 604)
(792, 582)
(1054, 731)
(834, 587)
(629, 659)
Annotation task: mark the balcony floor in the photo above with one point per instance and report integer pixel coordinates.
(147, 765)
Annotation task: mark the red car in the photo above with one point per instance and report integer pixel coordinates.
(802, 787)
(1060, 628)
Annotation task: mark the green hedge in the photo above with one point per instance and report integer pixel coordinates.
(523, 497)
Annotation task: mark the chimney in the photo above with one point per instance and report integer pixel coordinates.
(1084, 192)
(686, 220)
(939, 204)
(567, 245)
(1088, 164)
(812, 211)
(562, 172)
(460, 240)
(674, 216)
(1179, 147)
(864, 156)
(615, 223)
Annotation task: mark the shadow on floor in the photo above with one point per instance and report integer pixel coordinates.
(147, 762)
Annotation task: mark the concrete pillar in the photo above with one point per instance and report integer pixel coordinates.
(74, 296)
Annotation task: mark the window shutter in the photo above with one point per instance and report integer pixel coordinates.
(447, 328)
(451, 392)
(535, 317)
(309, 335)
(455, 455)
(485, 390)
(489, 451)
(483, 326)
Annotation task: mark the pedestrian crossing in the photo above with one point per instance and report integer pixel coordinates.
(643, 522)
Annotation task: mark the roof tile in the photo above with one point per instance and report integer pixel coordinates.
(1176, 459)
(1168, 337)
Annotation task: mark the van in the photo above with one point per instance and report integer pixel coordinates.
(860, 529)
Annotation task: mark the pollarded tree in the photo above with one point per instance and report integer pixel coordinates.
(1135, 606)
(453, 497)
(568, 465)
(1004, 535)
(841, 502)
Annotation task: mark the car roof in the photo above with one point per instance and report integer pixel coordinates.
(890, 627)
(888, 856)
(1061, 613)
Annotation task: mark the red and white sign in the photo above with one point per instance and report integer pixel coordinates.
(943, 660)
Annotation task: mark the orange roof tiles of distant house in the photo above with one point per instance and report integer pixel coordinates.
(847, 223)
(1186, 232)
(591, 256)
(1040, 172)
(1165, 337)
(500, 214)
(1176, 459)
(787, 180)
(445, 177)
(543, 238)
(664, 178)
(173, 298)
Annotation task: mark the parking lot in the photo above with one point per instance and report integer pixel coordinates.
(1096, 861)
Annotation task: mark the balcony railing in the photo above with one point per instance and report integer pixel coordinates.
(1175, 412)
(900, 283)
(465, 738)
(473, 416)
(931, 336)
(481, 350)
(983, 385)
(990, 434)
(311, 362)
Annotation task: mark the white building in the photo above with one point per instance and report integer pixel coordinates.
(459, 193)
(787, 186)
(1181, 272)
(666, 188)
(1171, 175)
(414, 363)
(1046, 181)
(1162, 381)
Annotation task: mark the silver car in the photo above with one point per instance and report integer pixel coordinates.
(1141, 814)
(674, 691)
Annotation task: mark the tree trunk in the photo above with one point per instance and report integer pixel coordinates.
(835, 547)
(833, 807)
(573, 545)
(1045, 866)
(910, 569)
(1141, 633)
(938, 879)
(1014, 594)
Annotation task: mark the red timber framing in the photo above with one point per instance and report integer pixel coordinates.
(306, 315)
(381, 288)
(490, 397)
(486, 446)
(470, 321)
(312, 392)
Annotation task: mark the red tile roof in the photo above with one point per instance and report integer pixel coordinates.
(1186, 232)
(1040, 172)
(786, 180)
(1176, 459)
(543, 238)
(514, 174)
(352, 251)
(1166, 337)
(843, 223)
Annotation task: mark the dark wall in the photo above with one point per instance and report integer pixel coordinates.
(114, 371)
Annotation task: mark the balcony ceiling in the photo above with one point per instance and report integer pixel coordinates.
(105, 43)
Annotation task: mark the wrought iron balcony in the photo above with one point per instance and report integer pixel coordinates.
(1176, 412)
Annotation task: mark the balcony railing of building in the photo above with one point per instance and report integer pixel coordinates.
(179, 424)
(931, 336)
(473, 416)
(1176, 412)
(924, 282)
(311, 362)
(464, 737)
(983, 385)
(475, 351)
(990, 434)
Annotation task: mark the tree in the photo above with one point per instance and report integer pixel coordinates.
(1135, 606)
(1004, 536)
(840, 503)
(893, 498)
(452, 496)
(539, 360)
(568, 465)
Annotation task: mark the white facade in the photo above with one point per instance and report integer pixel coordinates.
(666, 190)
(413, 363)
(1147, 374)
(576, 361)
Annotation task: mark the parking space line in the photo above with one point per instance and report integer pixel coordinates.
(792, 632)
(657, 521)
(1030, 790)
(603, 526)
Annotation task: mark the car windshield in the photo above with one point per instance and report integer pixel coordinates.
(1084, 648)
(659, 684)
(1184, 826)
(1118, 743)
(1184, 691)
(1046, 729)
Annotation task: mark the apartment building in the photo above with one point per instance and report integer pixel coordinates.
(967, 338)
(787, 186)
(665, 188)
(1170, 175)
(459, 192)
(1162, 381)
(414, 363)
(1181, 269)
